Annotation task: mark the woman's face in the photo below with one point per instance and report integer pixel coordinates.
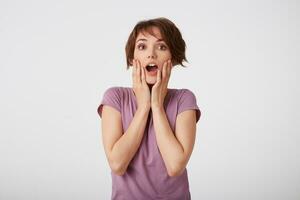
(151, 50)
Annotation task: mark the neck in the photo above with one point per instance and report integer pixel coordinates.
(150, 86)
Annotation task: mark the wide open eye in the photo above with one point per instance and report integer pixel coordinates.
(141, 46)
(162, 47)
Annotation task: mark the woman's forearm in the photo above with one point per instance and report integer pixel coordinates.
(170, 148)
(125, 148)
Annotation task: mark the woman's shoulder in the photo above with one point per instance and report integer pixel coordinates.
(118, 91)
(180, 92)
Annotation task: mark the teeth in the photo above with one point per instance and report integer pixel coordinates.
(151, 67)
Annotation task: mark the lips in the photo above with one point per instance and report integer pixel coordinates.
(151, 69)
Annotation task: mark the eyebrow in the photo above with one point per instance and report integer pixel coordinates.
(143, 39)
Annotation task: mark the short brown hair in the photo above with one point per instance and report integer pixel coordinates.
(170, 34)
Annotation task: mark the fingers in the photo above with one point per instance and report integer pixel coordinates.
(158, 75)
(169, 69)
(138, 73)
(133, 71)
(143, 76)
(166, 71)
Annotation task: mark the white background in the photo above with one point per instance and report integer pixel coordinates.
(58, 57)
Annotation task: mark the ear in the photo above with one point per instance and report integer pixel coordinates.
(130, 62)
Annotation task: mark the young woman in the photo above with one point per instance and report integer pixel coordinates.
(148, 131)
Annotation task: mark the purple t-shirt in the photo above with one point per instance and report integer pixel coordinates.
(146, 177)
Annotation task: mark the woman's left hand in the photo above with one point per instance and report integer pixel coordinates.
(160, 88)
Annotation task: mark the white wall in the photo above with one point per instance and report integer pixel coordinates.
(58, 57)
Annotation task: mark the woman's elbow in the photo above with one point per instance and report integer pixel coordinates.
(117, 169)
(118, 172)
(172, 172)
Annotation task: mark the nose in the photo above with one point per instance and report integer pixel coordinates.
(151, 54)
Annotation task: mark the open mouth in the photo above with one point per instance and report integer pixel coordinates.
(151, 68)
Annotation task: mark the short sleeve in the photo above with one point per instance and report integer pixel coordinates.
(188, 101)
(111, 97)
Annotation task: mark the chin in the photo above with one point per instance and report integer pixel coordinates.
(151, 81)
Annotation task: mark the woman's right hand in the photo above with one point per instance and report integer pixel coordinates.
(140, 87)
